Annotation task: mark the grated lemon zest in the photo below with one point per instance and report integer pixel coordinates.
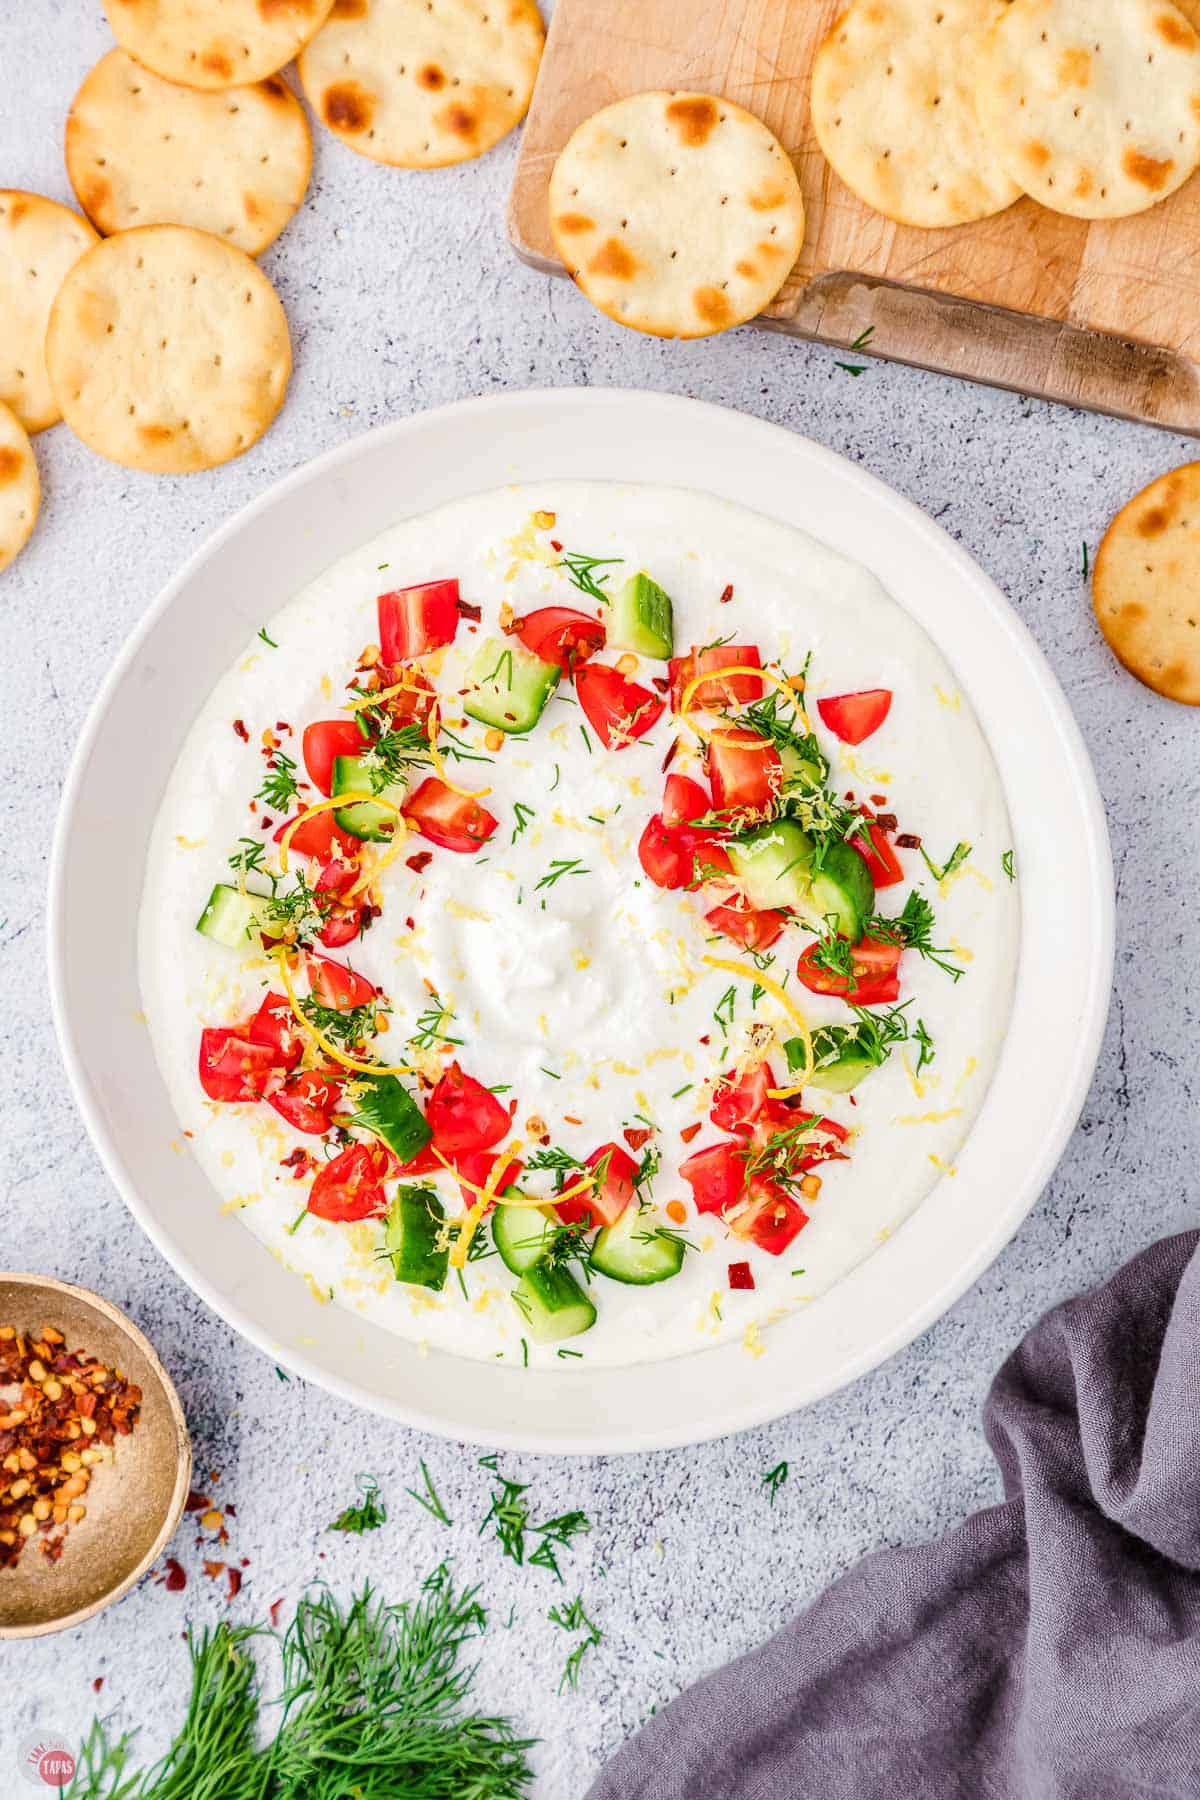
(698, 681)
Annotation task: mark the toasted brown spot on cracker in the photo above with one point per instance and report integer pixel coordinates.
(349, 9)
(748, 269)
(712, 305)
(1175, 31)
(217, 63)
(96, 195)
(766, 199)
(1037, 153)
(347, 107)
(459, 119)
(612, 258)
(1154, 521)
(431, 77)
(693, 118)
(1146, 170)
(1075, 68)
(17, 210)
(574, 222)
(156, 434)
(12, 464)
(1083, 185)
(275, 89)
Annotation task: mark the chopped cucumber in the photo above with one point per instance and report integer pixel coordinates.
(352, 775)
(552, 1303)
(639, 618)
(842, 1060)
(774, 865)
(800, 771)
(507, 687)
(842, 890)
(231, 917)
(521, 1234)
(638, 1248)
(412, 1236)
(389, 1110)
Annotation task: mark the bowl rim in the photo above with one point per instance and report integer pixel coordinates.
(54, 1284)
(760, 1405)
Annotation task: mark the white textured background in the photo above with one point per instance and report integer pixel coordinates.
(402, 293)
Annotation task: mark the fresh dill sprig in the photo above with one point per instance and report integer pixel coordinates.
(571, 1617)
(913, 927)
(954, 861)
(1006, 863)
(581, 572)
(279, 783)
(521, 817)
(270, 641)
(368, 1515)
(347, 1025)
(863, 339)
(509, 1513)
(560, 866)
(430, 1499)
(552, 1156)
(429, 1027)
(773, 1480)
(724, 1009)
(247, 859)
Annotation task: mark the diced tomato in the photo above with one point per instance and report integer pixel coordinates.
(335, 877)
(745, 771)
(684, 800)
(825, 1145)
(415, 620)
(464, 1115)
(307, 1101)
(448, 819)
(351, 1185)
(732, 690)
(425, 1162)
(232, 1065)
(756, 930)
(322, 742)
(666, 855)
(716, 1176)
(333, 984)
(476, 1166)
(605, 1203)
(874, 979)
(774, 1223)
(320, 836)
(617, 710)
(342, 925)
(560, 634)
(853, 717)
(711, 863)
(413, 703)
(880, 858)
(739, 1099)
(741, 1275)
(275, 1024)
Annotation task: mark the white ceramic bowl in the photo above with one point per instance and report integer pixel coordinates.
(278, 544)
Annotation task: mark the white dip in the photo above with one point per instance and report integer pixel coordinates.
(566, 1001)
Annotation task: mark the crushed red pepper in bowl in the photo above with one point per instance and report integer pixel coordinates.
(61, 1412)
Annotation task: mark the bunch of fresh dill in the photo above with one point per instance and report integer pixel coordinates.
(373, 1706)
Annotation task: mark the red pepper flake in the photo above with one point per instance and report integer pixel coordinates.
(234, 1578)
(726, 597)
(887, 821)
(878, 799)
(213, 1569)
(908, 840)
(420, 862)
(741, 1275)
(672, 753)
(175, 1578)
(200, 1502)
(660, 683)
(556, 546)
(282, 725)
(230, 1510)
(97, 1684)
(850, 796)
(266, 822)
(637, 1136)
(570, 1119)
(273, 1612)
(688, 1132)
(467, 611)
(239, 725)
(411, 922)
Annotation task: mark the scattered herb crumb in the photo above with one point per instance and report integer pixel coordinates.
(1006, 863)
(1085, 560)
(430, 1499)
(774, 1478)
(571, 1617)
(262, 632)
(368, 1515)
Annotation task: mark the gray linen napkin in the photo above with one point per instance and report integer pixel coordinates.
(1048, 1649)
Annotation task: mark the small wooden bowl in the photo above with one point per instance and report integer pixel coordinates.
(134, 1503)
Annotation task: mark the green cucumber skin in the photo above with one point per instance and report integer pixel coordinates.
(229, 918)
(388, 1110)
(552, 1304)
(843, 1072)
(641, 618)
(364, 819)
(520, 1235)
(411, 1233)
(842, 890)
(774, 865)
(618, 1254)
(515, 699)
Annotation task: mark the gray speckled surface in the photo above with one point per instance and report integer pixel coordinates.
(402, 293)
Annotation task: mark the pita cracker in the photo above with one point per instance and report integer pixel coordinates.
(215, 43)
(20, 490)
(1146, 585)
(39, 241)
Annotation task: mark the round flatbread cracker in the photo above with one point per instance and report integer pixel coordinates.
(677, 214)
(144, 151)
(423, 83)
(39, 242)
(1093, 107)
(20, 489)
(168, 349)
(215, 43)
(1146, 585)
(893, 107)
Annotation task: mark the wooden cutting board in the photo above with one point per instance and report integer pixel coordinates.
(1105, 316)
